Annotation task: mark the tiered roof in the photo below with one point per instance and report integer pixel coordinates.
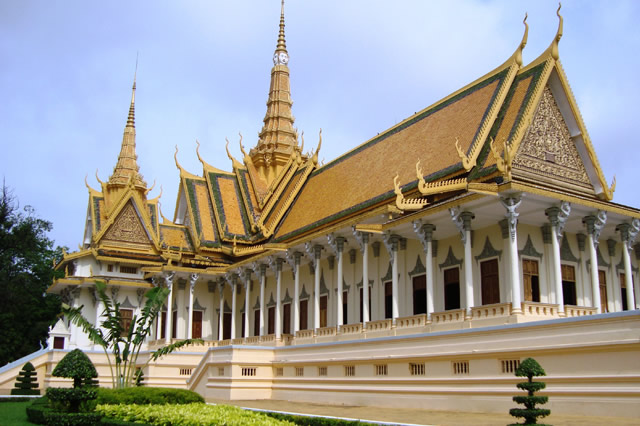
(492, 131)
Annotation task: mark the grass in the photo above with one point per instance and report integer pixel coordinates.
(14, 413)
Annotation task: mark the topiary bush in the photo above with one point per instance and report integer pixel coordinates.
(530, 368)
(146, 395)
(77, 366)
(26, 382)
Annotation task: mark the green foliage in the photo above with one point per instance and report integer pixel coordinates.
(77, 366)
(26, 271)
(315, 421)
(125, 345)
(26, 382)
(138, 378)
(188, 414)
(530, 368)
(145, 395)
(72, 400)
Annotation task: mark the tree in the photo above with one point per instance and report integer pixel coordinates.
(26, 271)
(530, 368)
(125, 344)
(26, 382)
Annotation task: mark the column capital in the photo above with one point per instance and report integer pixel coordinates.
(192, 281)
(245, 274)
(231, 278)
(558, 216)
(391, 242)
(168, 279)
(259, 268)
(221, 282)
(293, 259)
(313, 252)
(462, 220)
(424, 231)
(594, 225)
(336, 243)
(629, 232)
(361, 237)
(511, 203)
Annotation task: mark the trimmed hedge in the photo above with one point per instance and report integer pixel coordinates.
(315, 421)
(189, 414)
(27, 381)
(145, 395)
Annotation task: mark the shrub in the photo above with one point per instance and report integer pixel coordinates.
(26, 382)
(315, 421)
(187, 414)
(77, 366)
(146, 395)
(530, 368)
(72, 400)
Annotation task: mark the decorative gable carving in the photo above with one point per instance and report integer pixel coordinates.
(547, 147)
(128, 228)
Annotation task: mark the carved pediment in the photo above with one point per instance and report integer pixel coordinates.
(128, 228)
(548, 149)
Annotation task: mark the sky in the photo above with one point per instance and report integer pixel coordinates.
(357, 68)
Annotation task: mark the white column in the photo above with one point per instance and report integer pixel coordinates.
(558, 217)
(263, 283)
(365, 278)
(296, 290)
(246, 274)
(221, 309)
(391, 243)
(594, 225)
(278, 318)
(169, 281)
(232, 280)
(511, 204)
(425, 235)
(316, 293)
(628, 233)
(337, 245)
(99, 309)
(192, 285)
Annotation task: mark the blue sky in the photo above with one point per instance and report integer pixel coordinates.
(357, 68)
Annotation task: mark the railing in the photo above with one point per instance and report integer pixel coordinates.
(410, 322)
(252, 340)
(539, 309)
(491, 311)
(380, 325)
(351, 328)
(326, 331)
(456, 315)
(579, 311)
(304, 334)
(226, 342)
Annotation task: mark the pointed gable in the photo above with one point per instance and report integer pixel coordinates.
(547, 151)
(128, 227)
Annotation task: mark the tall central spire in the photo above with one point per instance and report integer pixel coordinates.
(127, 168)
(277, 140)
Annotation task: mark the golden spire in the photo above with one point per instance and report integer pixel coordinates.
(126, 168)
(277, 140)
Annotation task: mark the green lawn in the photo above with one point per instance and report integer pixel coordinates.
(14, 413)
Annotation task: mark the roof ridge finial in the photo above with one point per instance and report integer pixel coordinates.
(556, 40)
(132, 107)
(281, 56)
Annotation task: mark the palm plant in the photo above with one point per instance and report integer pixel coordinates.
(124, 344)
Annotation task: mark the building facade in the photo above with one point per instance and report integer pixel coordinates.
(417, 268)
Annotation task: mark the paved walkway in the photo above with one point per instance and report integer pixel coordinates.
(421, 417)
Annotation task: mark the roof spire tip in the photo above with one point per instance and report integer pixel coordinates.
(523, 43)
(556, 40)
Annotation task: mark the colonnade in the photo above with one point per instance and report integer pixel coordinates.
(463, 220)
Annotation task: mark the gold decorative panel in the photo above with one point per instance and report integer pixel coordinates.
(547, 147)
(127, 227)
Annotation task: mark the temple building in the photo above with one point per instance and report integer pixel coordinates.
(418, 268)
